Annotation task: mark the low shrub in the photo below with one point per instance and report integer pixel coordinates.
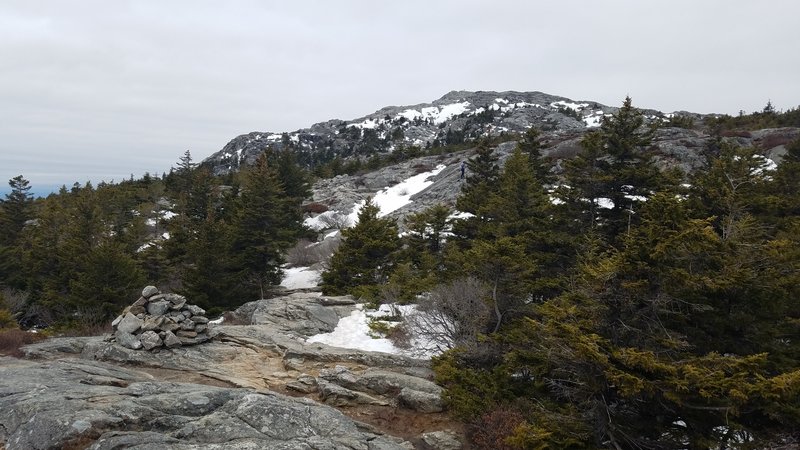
(12, 339)
(494, 429)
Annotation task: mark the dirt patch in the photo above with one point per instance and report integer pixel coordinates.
(390, 420)
(404, 423)
(182, 376)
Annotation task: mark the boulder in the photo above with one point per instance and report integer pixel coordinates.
(423, 402)
(170, 340)
(152, 323)
(127, 340)
(177, 301)
(442, 440)
(149, 291)
(129, 324)
(158, 308)
(150, 340)
(383, 381)
(335, 395)
(195, 310)
(300, 313)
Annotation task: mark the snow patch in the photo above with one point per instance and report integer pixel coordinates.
(594, 120)
(393, 198)
(569, 105)
(354, 332)
(300, 278)
(439, 114)
(605, 203)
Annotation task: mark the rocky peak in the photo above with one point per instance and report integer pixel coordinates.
(456, 117)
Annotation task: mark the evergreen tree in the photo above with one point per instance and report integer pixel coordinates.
(265, 225)
(107, 279)
(295, 179)
(531, 146)
(614, 174)
(209, 278)
(365, 257)
(15, 211)
(481, 183)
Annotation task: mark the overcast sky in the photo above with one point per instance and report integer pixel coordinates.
(97, 90)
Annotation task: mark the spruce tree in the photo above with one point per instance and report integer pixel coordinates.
(15, 211)
(265, 225)
(607, 183)
(531, 145)
(366, 255)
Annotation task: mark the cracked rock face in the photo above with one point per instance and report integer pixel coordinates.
(97, 405)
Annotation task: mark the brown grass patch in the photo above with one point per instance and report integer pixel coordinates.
(737, 133)
(315, 207)
(11, 340)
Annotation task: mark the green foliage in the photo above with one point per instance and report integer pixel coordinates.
(671, 324)
(15, 211)
(606, 184)
(470, 389)
(766, 118)
(7, 319)
(365, 258)
(267, 223)
(80, 255)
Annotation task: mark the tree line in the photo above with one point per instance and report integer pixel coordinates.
(77, 257)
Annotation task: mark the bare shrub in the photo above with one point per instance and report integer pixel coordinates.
(302, 254)
(89, 322)
(22, 310)
(335, 220)
(494, 428)
(774, 140)
(453, 315)
(11, 341)
(306, 253)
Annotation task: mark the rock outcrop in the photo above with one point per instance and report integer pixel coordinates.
(76, 403)
(450, 119)
(301, 313)
(94, 392)
(157, 321)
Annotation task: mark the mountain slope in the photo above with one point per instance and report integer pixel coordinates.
(457, 117)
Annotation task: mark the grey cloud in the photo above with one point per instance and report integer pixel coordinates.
(126, 86)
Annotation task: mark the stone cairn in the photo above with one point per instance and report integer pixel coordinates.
(159, 320)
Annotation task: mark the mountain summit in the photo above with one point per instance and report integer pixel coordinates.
(456, 117)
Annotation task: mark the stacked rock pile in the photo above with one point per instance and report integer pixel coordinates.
(159, 320)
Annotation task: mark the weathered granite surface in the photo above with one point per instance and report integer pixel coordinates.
(81, 403)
